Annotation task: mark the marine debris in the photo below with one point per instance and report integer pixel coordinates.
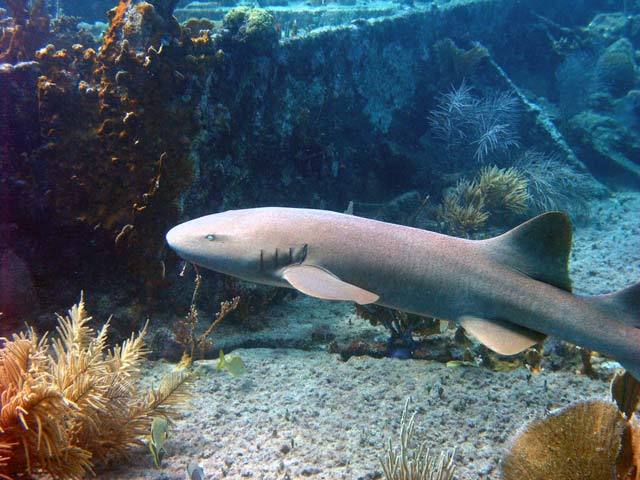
(70, 404)
(402, 327)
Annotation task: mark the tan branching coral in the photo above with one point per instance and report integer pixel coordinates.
(495, 192)
(462, 210)
(504, 189)
(590, 440)
(70, 403)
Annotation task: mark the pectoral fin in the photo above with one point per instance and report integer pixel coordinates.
(502, 337)
(318, 282)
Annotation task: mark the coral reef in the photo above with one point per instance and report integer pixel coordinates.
(592, 439)
(253, 27)
(402, 327)
(608, 144)
(455, 63)
(589, 440)
(68, 404)
(616, 69)
(23, 34)
(505, 190)
(462, 209)
(575, 80)
(105, 145)
(625, 391)
(109, 155)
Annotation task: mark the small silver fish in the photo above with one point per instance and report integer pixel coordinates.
(195, 472)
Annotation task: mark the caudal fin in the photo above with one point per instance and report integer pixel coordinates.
(623, 305)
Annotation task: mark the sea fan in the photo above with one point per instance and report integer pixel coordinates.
(67, 410)
(590, 440)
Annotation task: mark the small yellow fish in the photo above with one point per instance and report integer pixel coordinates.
(232, 364)
(159, 434)
(460, 363)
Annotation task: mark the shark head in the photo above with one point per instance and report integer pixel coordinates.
(247, 244)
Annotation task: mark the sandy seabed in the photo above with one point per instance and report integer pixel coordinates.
(306, 414)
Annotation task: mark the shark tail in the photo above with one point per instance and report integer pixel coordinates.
(623, 305)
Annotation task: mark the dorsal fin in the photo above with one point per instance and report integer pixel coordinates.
(539, 248)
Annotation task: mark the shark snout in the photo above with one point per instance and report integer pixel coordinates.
(174, 238)
(193, 241)
(183, 241)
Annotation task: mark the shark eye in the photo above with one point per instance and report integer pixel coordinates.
(210, 237)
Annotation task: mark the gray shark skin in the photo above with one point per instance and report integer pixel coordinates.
(509, 292)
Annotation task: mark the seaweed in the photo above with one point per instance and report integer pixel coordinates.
(415, 462)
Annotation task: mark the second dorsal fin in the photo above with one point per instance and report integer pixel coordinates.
(539, 248)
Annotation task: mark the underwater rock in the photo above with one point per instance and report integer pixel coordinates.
(608, 147)
(254, 27)
(25, 33)
(616, 68)
(610, 26)
(164, 7)
(17, 291)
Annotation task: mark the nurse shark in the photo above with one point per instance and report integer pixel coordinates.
(509, 292)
